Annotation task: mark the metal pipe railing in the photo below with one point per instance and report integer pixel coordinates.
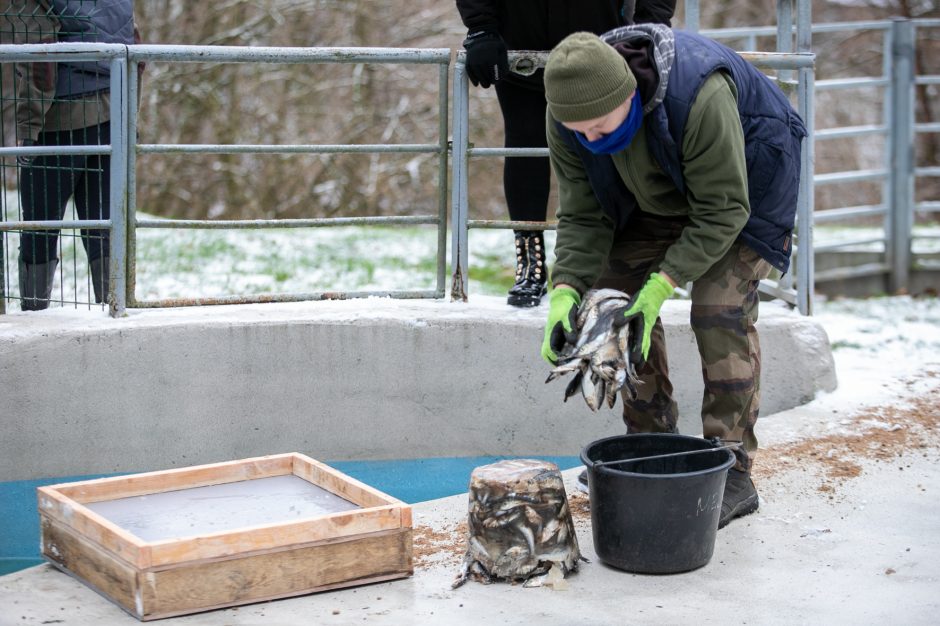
(898, 176)
(242, 54)
(123, 152)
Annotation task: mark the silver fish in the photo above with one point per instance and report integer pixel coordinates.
(599, 357)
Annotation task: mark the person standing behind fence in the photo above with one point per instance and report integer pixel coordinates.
(64, 104)
(497, 25)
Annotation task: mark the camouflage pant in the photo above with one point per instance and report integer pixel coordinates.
(724, 310)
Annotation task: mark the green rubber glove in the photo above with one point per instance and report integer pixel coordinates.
(562, 323)
(642, 313)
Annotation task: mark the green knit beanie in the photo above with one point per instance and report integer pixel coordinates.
(586, 78)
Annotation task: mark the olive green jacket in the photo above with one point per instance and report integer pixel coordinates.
(716, 200)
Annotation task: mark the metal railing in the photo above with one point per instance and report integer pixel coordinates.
(123, 149)
(201, 54)
(899, 129)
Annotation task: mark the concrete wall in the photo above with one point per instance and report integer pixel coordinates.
(369, 379)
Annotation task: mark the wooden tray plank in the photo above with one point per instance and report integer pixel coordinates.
(342, 485)
(259, 538)
(352, 561)
(98, 569)
(88, 524)
(182, 478)
(292, 594)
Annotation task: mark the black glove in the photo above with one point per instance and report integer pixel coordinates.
(487, 61)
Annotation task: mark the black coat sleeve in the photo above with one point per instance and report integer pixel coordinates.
(652, 11)
(479, 14)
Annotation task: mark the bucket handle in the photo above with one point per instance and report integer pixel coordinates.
(730, 446)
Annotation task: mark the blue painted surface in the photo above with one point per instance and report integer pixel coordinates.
(412, 480)
(19, 522)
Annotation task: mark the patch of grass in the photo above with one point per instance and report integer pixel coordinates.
(852, 345)
(492, 278)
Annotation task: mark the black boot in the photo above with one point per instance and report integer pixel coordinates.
(100, 274)
(36, 284)
(531, 270)
(740, 497)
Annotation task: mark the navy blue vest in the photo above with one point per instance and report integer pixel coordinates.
(102, 21)
(772, 136)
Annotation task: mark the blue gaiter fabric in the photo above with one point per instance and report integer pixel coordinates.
(622, 135)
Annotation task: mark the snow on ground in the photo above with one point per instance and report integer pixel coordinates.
(876, 341)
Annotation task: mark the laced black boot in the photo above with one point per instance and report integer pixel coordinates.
(531, 270)
(36, 284)
(740, 497)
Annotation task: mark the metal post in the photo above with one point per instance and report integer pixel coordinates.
(117, 297)
(887, 64)
(3, 264)
(132, 98)
(804, 25)
(460, 236)
(692, 15)
(902, 152)
(443, 109)
(785, 33)
(806, 95)
(805, 258)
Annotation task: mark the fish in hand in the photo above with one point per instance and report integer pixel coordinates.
(599, 357)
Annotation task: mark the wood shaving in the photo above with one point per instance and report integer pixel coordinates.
(879, 434)
(439, 547)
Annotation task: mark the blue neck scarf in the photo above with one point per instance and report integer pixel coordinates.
(622, 135)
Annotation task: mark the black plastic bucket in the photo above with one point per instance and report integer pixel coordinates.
(657, 516)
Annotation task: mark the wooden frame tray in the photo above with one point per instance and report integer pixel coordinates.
(164, 577)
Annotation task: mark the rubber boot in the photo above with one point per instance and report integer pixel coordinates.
(100, 276)
(531, 270)
(36, 284)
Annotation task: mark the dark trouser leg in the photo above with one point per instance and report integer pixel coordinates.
(45, 187)
(724, 311)
(635, 255)
(526, 180)
(93, 202)
(92, 191)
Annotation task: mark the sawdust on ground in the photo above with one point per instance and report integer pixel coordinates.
(446, 546)
(878, 434)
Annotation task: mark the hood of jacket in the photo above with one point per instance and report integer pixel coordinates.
(650, 51)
